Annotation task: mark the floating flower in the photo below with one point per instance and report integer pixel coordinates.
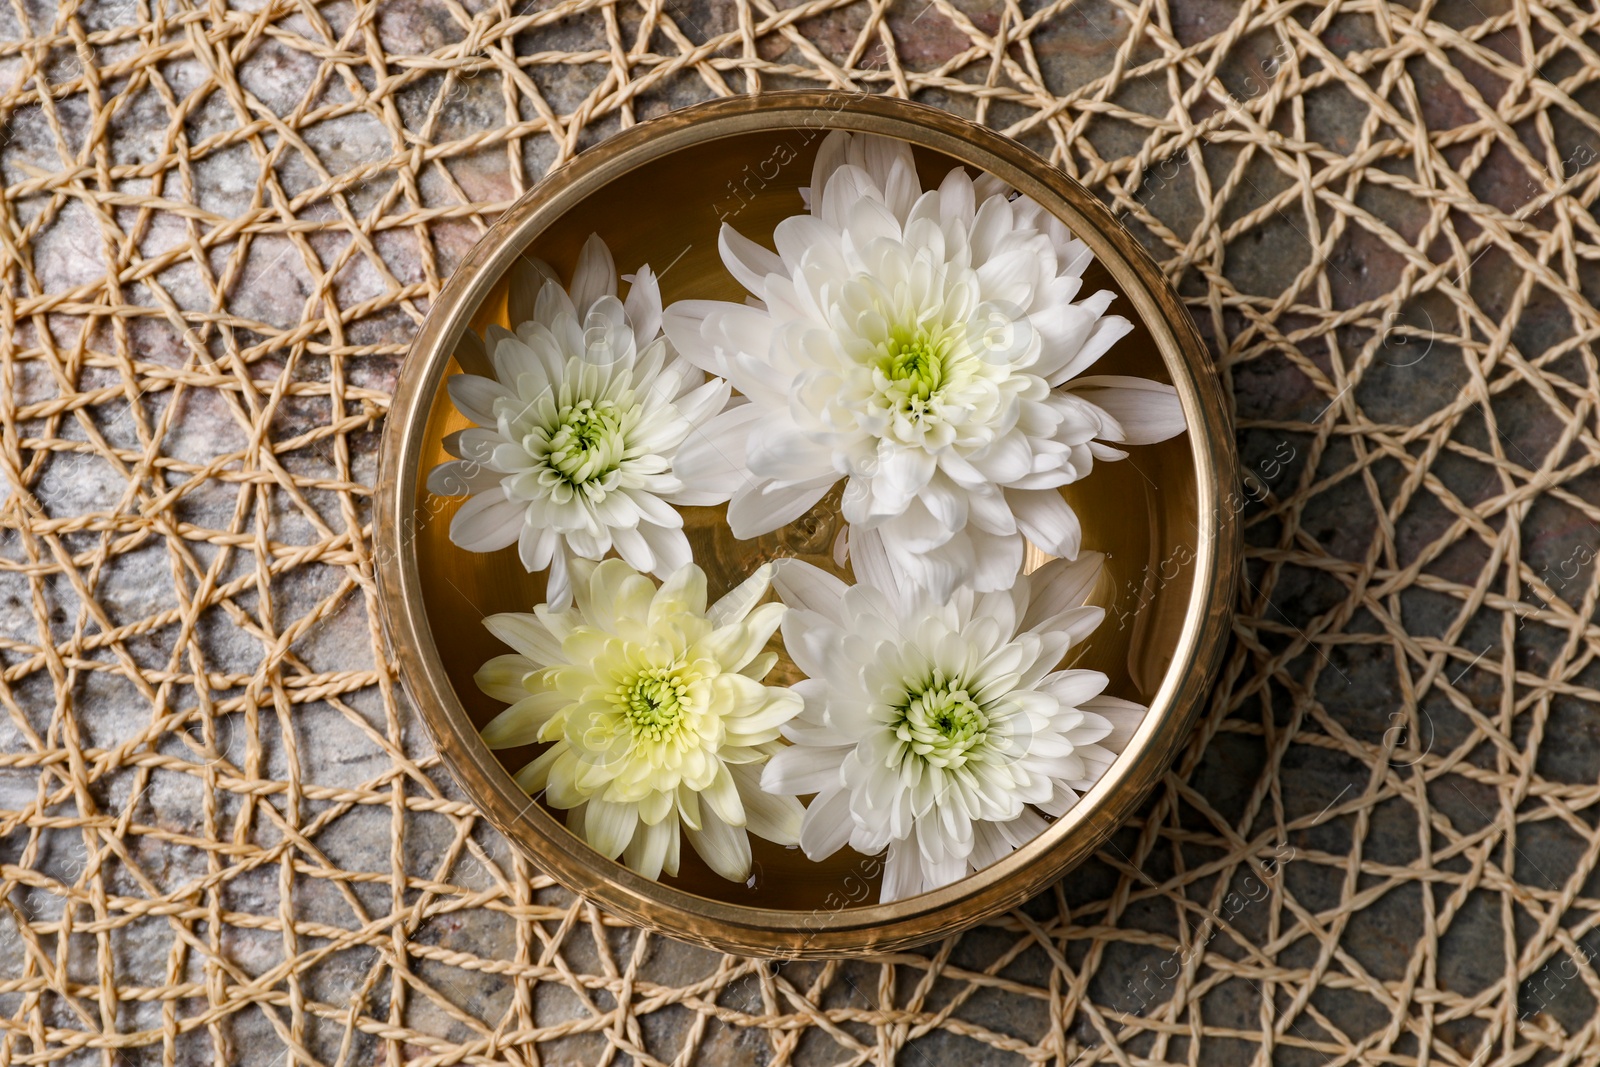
(926, 347)
(572, 449)
(656, 712)
(930, 726)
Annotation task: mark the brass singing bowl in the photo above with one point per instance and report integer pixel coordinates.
(657, 193)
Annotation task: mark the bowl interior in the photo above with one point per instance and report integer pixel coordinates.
(1141, 511)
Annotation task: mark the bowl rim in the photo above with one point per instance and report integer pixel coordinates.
(850, 929)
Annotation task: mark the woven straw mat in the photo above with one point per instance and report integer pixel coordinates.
(224, 836)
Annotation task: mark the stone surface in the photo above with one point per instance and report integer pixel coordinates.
(224, 837)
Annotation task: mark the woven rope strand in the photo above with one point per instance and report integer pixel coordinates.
(224, 838)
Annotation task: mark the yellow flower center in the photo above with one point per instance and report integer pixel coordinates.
(587, 441)
(653, 702)
(942, 723)
(913, 362)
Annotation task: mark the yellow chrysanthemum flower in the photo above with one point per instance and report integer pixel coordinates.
(657, 714)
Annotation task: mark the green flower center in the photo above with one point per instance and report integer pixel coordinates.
(914, 364)
(942, 723)
(587, 441)
(654, 702)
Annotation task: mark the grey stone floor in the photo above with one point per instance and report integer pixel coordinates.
(1383, 229)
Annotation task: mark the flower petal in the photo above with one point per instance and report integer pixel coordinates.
(758, 508)
(513, 361)
(669, 545)
(832, 154)
(522, 722)
(726, 849)
(957, 201)
(643, 306)
(461, 476)
(528, 275)
(805, 585)
(1076, 623)
(609, 826)
(772, 818)
(997, 558)
(647, 852)
(558, 582)
(869, 560)
(827, 824)
(902, 873)
(761, 725)
(760, 667)
(989, 845)
(631, 546)
(1062, 798)
(1046, 519)
(474, 443)
(503, 677)
(812, 640)
(747, 261)
(474, 397)
(799, 769)
(1107, 332)
(1124, 715)
(740, 641)
(703, 402)
(892, 167)
(722, 797)
(535, 546)
(607, 587)
(487, 522)
(1074, 336)
(684, 591)
(742, 598)
(528, 635)
(712, 459)
(845, 187)
(1059, 585)
(1147, 411)
(1073, 687)
(782, 452)
(534, 776)
(595, 276)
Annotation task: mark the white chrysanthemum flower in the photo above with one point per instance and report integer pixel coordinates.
(926, 347)
(572, 451)
(656, 711)
(930, 727)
